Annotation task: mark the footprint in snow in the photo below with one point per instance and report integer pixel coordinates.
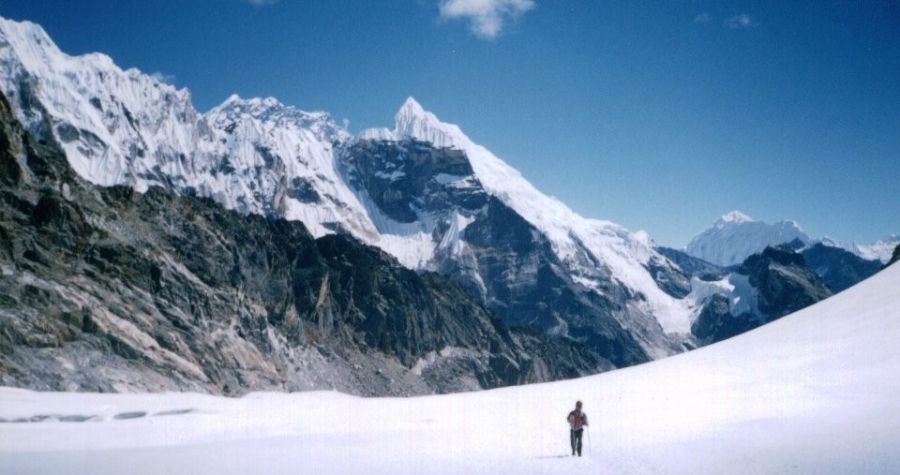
(76, 418)
(173, 412)
(130, 415)
(52, 417)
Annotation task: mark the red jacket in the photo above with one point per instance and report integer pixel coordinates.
(577, 419)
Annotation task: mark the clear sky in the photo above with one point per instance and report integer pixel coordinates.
(657, 115)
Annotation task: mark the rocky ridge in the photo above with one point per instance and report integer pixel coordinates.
(588, 280)
(109, 289)
(764, 288)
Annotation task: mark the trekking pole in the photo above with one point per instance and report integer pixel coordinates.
(590, 445)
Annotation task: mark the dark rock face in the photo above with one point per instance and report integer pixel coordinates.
(794, 245)
(839, 268)
(783, 283)
(302, 190)
(716, 323)
(524, 283)
(671, 279)
(406, 178)
(497, 256)
(107, 289)
(895, 256)
(693, 266)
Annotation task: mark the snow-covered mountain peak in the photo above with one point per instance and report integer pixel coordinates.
(413, 121)
(590, 247)
(271, 112)
(29, 45)
(115, 126)
(735, 236)
(377, 134)
(236, 107)
(411, 107)
(733, 217)
(879, 250)
(830, 242)
(253, 104)
(26, 37)
(262, 156)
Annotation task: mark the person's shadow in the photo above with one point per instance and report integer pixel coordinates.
(552, 456)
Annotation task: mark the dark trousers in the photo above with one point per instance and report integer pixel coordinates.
(575, 438)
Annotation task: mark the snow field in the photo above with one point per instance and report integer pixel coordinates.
(814, 392)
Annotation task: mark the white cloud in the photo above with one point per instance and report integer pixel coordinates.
(485, 17)
(703, 18)
(741, 21)
(163, 77)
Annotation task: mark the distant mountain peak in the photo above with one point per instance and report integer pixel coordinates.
(32, 33)
(274, 113)
(734, 217)
(413, 121)
(232, 99)
(412, 114)
(735, 236)
(410, 121)
(879, 250)
(235, 101)
(411, 107)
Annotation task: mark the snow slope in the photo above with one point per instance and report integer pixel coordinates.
(735, 236)
(815, 392)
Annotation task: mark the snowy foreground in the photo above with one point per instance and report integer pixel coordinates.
(816, 392)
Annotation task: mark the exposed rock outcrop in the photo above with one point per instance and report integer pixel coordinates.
(778, 282)
(108, 289)
(839, 268)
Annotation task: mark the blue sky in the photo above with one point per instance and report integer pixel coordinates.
(657, 115)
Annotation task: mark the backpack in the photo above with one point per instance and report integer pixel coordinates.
(576, 419)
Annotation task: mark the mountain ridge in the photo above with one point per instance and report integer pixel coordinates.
(422, 191)
(734, 236)
(260, 156)
(109, 289)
